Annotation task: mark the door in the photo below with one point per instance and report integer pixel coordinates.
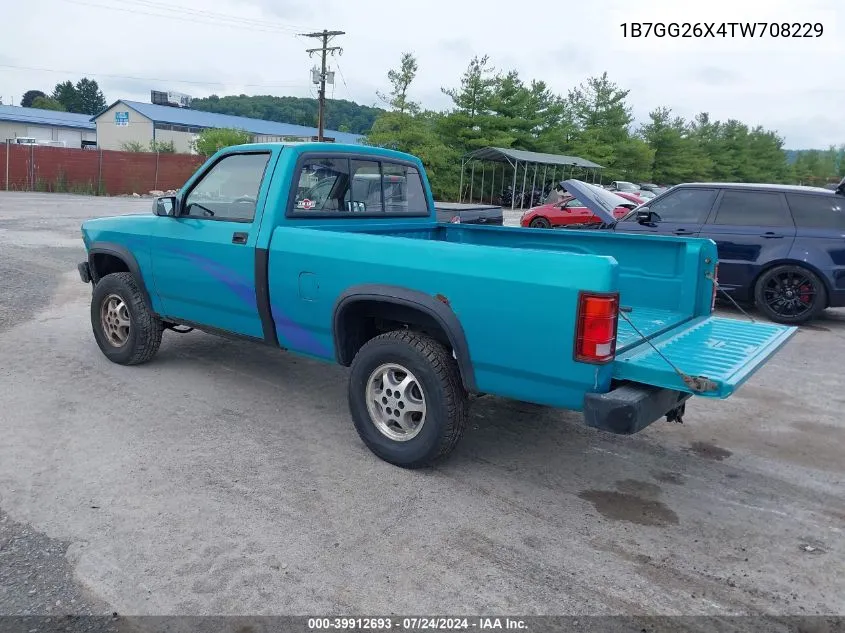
(750, 228)
(71, 138)
(681, 211)
(204, 259)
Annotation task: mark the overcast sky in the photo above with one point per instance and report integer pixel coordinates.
(795, 86)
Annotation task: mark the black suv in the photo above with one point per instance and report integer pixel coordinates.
(781, 247)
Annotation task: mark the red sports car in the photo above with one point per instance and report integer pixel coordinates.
(570, 210)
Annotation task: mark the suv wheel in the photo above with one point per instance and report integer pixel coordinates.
(790, 294)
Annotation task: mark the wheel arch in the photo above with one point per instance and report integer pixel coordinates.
(791, 262)
(539, 216)
(105, 258)
(357, 305)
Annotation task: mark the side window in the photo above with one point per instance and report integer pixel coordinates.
(752, 208)
(817, 212)
(229, 191)
(575, 203)
(403, 189)
(684, 205)
(323, 185)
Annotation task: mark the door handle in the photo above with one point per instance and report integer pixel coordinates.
(770, 235)
(239, 238)
(683, 232)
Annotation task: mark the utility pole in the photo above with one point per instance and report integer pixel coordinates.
(324, 50)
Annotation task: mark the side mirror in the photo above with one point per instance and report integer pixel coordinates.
(645, 216)
(164, 206)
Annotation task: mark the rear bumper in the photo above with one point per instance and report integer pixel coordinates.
(630, 407)
(84, 272)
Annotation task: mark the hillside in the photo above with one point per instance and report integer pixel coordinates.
(341, 115)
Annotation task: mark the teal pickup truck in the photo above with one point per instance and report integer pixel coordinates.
(426, 313)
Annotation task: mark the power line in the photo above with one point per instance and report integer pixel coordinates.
(324, 50)
(343, 79)
(216, 15)
(227, 22)
(158, 79)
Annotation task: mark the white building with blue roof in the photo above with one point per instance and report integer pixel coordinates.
(134, 121)
(48, 127)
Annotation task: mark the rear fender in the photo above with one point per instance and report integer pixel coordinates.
(438, 310)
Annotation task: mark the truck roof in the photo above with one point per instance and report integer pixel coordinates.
(330, 148)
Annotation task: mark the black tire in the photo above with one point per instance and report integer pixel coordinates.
(772, 294)
(145, 329)
(540, 223)
(446, 400)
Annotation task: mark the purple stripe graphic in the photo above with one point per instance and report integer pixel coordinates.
(291, 335)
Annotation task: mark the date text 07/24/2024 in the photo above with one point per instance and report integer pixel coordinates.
(700, 30)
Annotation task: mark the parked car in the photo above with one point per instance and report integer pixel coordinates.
(652, 188)
(570, 211)
(781, 247)
(622, 185)
(424, 313)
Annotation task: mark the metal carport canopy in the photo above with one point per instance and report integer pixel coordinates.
(515, 157)
(505, 155)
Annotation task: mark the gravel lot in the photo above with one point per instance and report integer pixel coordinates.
(226, 478)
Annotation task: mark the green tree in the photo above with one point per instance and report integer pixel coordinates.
(472, 123)
(29, 96)
(400, 80)
(65, 93)
(355, 118)
(47, 103)
(89, 97)
(678, 156)
(211, 140)
(84, 97)
(602, 118)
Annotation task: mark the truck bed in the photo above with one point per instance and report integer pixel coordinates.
(513, 289)
(655, 289)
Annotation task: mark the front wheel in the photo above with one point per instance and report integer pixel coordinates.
(790, 294)
(406, 398)
(124, 328)
(540, 223)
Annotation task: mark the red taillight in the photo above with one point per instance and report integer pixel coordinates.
(595, 338)
(715, 287)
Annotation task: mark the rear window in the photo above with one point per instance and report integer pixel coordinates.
(342, 185)
(752, 208)
(817, 212)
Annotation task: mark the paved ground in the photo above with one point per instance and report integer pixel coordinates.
(227, 478)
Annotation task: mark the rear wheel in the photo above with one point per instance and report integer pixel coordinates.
(790, 294)
(540, 223)
(406, 398)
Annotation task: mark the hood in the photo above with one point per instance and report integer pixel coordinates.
(600, 201)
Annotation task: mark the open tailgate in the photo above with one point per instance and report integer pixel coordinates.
(726, 352)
